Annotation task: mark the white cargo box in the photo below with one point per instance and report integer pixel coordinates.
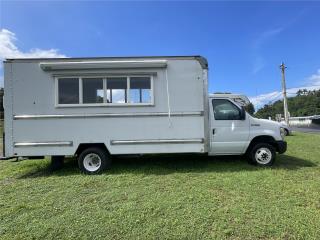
(135, 105)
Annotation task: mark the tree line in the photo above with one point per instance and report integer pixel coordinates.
(305, 103)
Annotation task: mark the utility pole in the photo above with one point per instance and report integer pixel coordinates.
(284, 92)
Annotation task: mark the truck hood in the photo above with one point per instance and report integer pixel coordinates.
(265, 123)
(266, 127)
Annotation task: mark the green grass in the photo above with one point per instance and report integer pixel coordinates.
(166, 198)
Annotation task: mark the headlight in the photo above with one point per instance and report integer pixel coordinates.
(282, 132)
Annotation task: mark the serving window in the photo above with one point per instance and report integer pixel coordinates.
(140, 90)
(117, 89)
(104, 91)
(68, 90)
(92, 90)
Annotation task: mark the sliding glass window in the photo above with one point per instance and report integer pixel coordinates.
(104, 90)
(140, 90)
(92, 90)
(68, 90)
(117, 90)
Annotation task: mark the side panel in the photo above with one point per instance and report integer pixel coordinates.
(105, 130)
(34, 95)
(8, 108)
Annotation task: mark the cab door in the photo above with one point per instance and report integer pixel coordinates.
(229, 127)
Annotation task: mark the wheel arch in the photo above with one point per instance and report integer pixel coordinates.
(82, 146)
(262, 139)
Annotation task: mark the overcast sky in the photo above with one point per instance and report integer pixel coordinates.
(244, 42)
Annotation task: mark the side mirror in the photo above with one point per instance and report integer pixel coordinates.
(242, 113)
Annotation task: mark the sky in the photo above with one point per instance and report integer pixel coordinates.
(243, 41)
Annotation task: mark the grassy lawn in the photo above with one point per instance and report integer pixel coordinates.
(166, 198)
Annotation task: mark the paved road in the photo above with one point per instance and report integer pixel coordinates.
(306, 130)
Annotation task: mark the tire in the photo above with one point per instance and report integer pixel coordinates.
(57, 162)
(94, 160)
(286, 132)
(262, 154)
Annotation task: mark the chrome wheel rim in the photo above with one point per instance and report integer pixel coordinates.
(263, 155)
(92, 162)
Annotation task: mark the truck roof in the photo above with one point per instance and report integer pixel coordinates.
(240, 98)
(203, 61)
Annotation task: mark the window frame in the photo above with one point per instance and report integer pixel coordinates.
(226, 99)
(105, 85)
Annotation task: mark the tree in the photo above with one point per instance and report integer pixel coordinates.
(250, 108)
(299, 93)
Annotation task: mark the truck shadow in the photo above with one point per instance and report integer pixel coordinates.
(198, 164)
(163, 165)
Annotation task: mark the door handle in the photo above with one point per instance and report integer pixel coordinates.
(213, 131)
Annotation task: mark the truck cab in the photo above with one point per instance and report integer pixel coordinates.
(233, 131)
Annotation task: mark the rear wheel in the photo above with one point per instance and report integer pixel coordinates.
(262, 154)
(286, 132)
(94, 160)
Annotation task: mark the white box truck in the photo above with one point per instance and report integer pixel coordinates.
(94, 108)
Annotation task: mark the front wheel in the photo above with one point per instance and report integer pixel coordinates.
(262, 154)
(94, 160)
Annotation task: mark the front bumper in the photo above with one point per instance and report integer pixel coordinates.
(281, 146)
